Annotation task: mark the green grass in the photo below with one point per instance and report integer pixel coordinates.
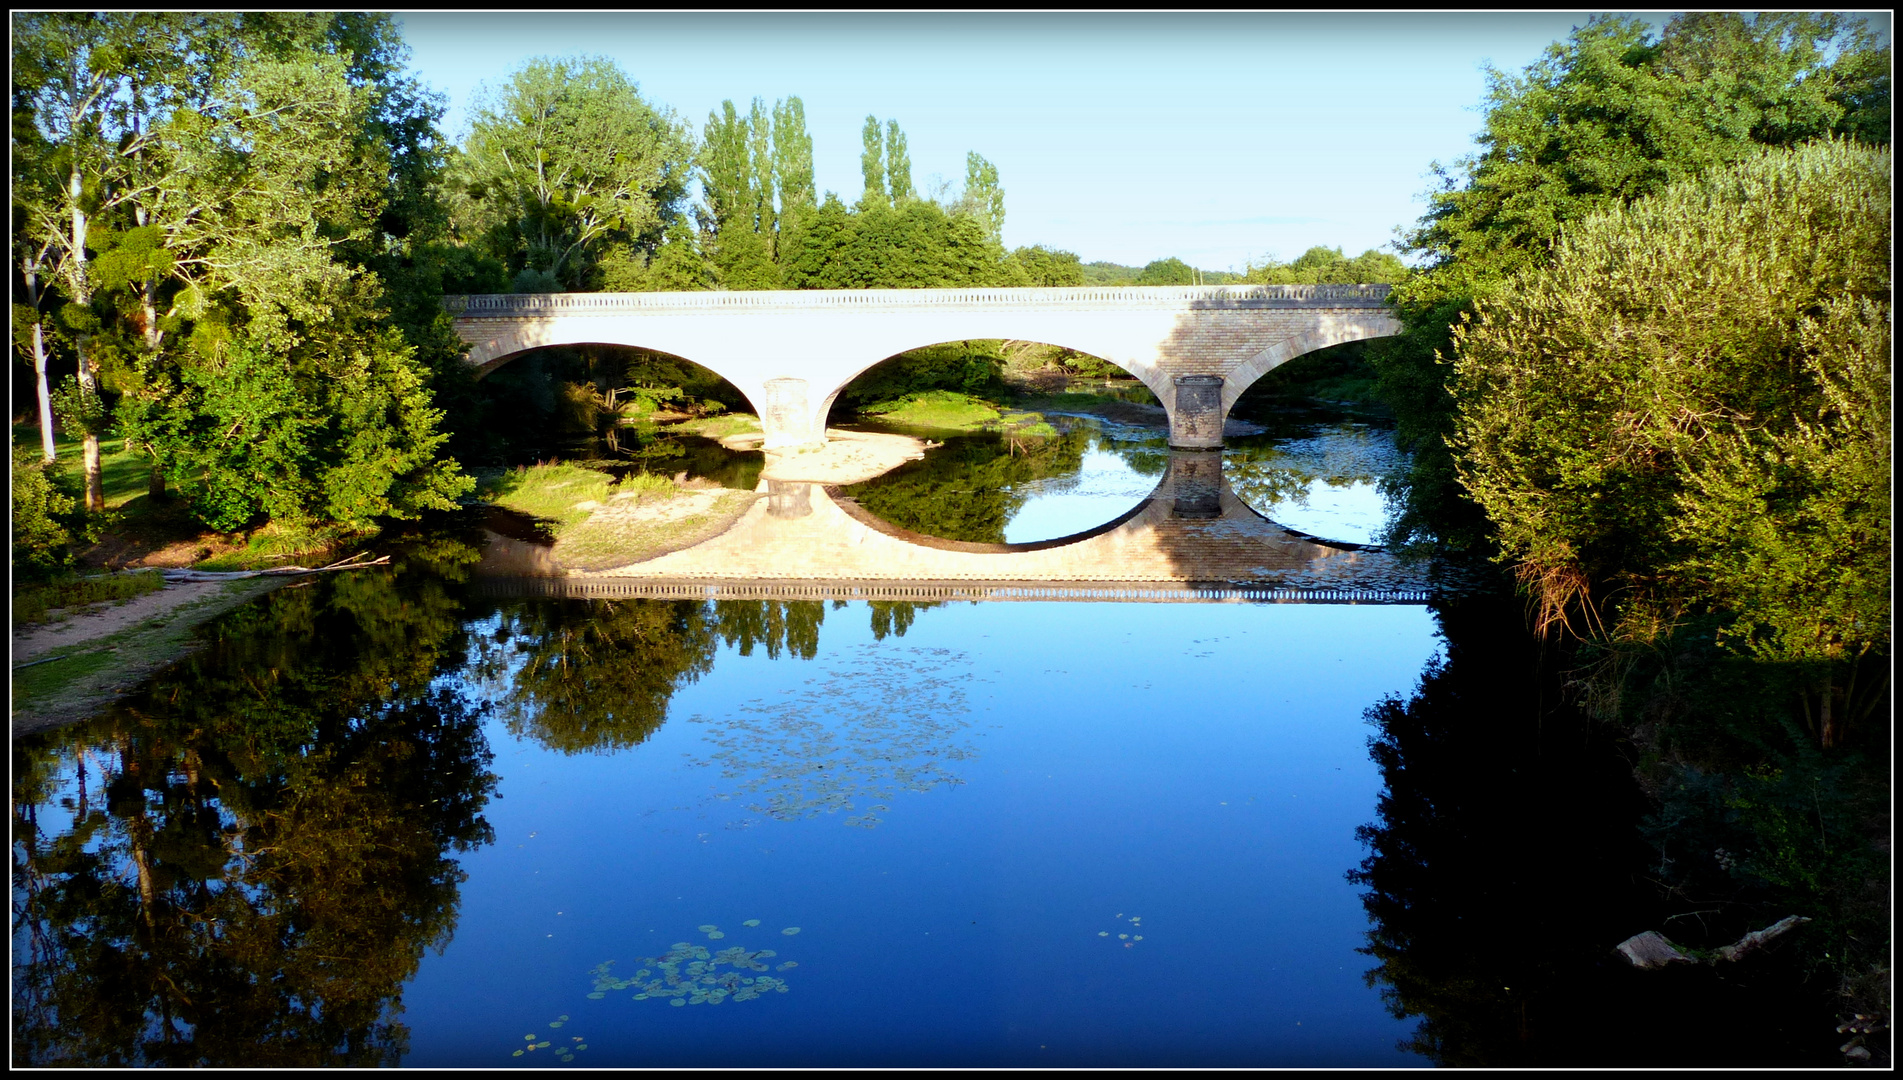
(32, 602)
(945, 409)
(719, 427)
(551, 491)
(84, 676)
(36, 681)
(123, 474)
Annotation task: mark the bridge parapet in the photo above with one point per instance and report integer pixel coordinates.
(1166, 297)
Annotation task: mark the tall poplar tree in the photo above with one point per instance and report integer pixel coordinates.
(872, 162)
(898, 165)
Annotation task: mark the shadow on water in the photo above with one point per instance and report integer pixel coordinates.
(1507, 862)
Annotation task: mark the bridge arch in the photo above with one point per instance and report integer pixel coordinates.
(1331, 333)
(1150, 375)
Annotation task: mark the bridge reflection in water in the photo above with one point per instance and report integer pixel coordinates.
(1191, 540)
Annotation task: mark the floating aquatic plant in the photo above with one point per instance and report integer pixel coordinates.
(688, 974)
(888, 719)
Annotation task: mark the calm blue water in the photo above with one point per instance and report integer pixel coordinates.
(1026, 784)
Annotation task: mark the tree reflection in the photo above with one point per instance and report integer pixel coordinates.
(597, 676)
(1505, 865)
(963, 490)
(245, 863)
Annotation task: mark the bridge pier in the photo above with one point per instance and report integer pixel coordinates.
(1196, 420)
(787, 417)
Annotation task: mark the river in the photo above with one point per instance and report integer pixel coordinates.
(411, 816)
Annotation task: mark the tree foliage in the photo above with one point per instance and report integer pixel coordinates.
(234, 191)
(562, 160)
(1612, 114)
(1688, 409)
(1328, 266)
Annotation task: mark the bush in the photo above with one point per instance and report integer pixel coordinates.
(1688, 410)
(42, 538)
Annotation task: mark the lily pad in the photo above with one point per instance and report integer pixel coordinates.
(677, 1002)
(790, 931)
(715, 935)
(707, 929)
(751, 922)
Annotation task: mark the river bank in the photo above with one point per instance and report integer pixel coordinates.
(75, 664)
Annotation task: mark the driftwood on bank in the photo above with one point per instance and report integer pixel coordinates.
(1651, 949)
(282, 571)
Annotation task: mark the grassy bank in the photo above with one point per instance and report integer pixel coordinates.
(75, 680)
(33, 601)
(951, 410)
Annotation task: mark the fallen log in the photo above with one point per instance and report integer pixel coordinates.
(281, 571)
(1652, 950)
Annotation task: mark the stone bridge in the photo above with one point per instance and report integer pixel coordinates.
(791, 353)
(1193, 538)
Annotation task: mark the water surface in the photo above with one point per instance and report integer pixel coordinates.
(436, 822)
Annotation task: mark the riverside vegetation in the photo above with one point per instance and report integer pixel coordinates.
(1644, 383)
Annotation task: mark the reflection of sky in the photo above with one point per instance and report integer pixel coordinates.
(977, 923)
(1103, 490)
(1354, 512)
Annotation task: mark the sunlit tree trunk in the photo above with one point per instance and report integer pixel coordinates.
(88, 367)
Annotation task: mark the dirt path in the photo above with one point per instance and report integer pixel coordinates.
(67, 671)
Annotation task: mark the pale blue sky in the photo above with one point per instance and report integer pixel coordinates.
(1215, 137)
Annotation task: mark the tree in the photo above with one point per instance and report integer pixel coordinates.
(1687, 411)
(872, 162)
(564, 158)
(1328, 266)
(792, 156)
(727, 181)
(1047, 268)
(1612, 114)
(244, 168)
(982, 198)
(898, 165)
(1171, 271)
(82, 81)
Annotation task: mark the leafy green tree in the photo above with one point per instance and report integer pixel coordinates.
(678, 266)
(816, 257)
(982, 197)
(1612, 114)
(1328, 266)
(564, 158)
(726, 173)
(1171, 271)
(1047, 268)
(1687, 411)
(792, 156)
(744, 260)
(872, 163)
(898, 165)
